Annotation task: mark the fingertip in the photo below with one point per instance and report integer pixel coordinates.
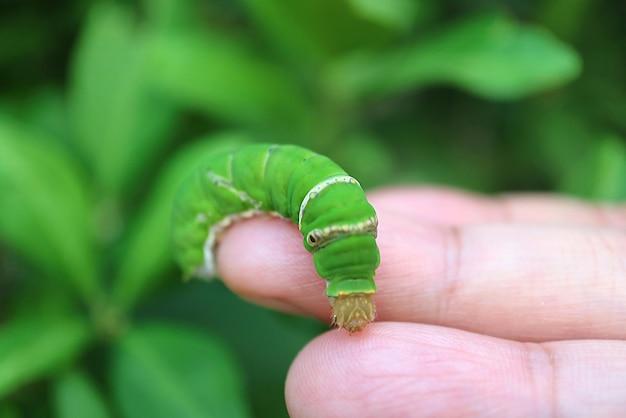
(407, 370)
(263, 260)
(320, 376)
(348, 375)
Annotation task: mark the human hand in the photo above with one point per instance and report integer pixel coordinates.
(525, 297)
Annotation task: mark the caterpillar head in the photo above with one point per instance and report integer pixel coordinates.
(353, 312)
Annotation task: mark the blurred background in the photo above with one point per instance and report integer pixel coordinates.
(106, 106)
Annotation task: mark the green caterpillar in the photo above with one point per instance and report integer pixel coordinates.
(337, 223)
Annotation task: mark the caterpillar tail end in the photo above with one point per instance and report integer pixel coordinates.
(353, 312)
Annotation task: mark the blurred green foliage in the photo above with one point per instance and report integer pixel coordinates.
(106, 106)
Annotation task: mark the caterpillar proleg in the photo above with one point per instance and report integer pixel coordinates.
(337, 223)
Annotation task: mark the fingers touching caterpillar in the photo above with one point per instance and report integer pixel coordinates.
(337, 223)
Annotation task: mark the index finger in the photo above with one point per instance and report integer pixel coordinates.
(514, 281)
(437, 205)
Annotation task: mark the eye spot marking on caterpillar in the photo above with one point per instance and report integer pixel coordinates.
(319, 237)
(312, 238)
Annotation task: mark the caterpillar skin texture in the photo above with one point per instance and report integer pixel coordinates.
(337, 223)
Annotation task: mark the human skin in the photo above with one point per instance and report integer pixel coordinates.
(513, 306)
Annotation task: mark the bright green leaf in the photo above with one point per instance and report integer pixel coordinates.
(491, 56)
(119, 122)
(220, 76)
(168, 371)
(173, 14)
(265, 362)
(310, 32)
(46, 209)
(610, 160)
(147, 252)
(599, 171)
(34, 347)
(76, 396)
(399, 14)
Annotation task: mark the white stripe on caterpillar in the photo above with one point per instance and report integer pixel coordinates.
(209, 269)
(318, 238)
(225, 183)
(315, 190)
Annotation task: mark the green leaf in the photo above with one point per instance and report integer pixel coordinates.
(601, 174)
(265, 362)
(164, 371)
(147, 252)
(310, 32)
(222, 77)
(46, 212)
(491, 56)
(287, 27)
(44, 110)
(610, 158)
(76, 396)
(173, 14)
(8, 410)
(399, 14)
(34, 347)
(119, 121)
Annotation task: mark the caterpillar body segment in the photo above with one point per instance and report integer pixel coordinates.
(337, 223)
